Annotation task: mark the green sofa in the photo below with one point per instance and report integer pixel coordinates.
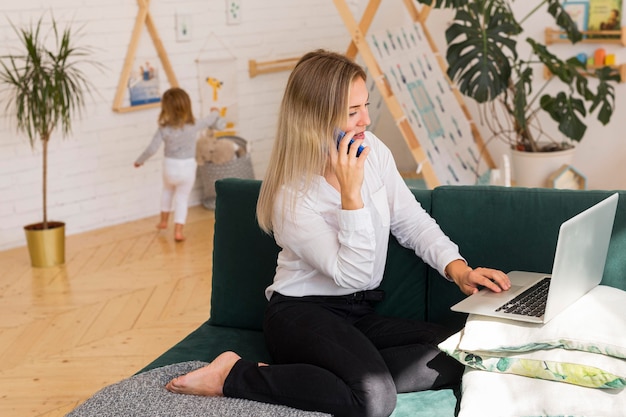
(504, 228)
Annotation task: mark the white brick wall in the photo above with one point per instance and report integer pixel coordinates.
(92, 182)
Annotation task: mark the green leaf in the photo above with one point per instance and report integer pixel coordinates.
(480, 50)
(522, 89)
(564, 20)
(444, 3)
(568, 112)
(605, 97)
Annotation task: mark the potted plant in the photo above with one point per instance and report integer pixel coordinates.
(485, 63)
(44, 90)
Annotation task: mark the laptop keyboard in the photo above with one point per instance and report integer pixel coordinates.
(531, 302)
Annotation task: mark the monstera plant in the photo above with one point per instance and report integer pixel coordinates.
(484, 61)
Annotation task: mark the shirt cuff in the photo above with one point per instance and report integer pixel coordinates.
(355, 219)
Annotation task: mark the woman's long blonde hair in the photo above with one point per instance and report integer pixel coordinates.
(176, 108)
(314, 104)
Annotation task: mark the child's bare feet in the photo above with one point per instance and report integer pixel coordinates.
(165, 215)
(208, 380)
(178, 232)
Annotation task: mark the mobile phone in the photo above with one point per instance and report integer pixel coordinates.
(340, 134)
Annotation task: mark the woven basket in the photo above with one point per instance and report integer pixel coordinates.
(208, 173)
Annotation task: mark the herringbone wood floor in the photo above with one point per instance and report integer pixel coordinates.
(126, 294)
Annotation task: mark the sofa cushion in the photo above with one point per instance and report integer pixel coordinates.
(595, 323)
(405, 277)
(489, 394)
(575, 367)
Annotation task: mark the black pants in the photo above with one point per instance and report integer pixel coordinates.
(336, 355)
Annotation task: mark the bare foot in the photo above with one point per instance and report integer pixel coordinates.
(165, 215)
(208, 380)
(178, 232)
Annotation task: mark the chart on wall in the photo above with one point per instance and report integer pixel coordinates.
(430, 106)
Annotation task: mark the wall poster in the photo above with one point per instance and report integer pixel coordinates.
(434, 114)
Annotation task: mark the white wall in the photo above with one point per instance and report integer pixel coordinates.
(92, 182)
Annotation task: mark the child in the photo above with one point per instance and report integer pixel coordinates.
(178, 130)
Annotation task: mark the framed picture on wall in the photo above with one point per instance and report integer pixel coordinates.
(143, 85)
(579, 12)
(605, 15)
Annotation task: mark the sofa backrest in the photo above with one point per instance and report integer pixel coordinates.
(505, 228)
(513, 229)
(244, 257)
(244, 262)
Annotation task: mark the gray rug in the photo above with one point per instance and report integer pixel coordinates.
(144, 395)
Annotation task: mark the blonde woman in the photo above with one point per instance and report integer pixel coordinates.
(178, 130)
(331, 209)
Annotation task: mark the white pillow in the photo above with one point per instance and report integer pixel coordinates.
(595, 323)
(489, 394)
(571, 366)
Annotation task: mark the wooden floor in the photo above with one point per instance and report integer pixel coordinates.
(126, 294)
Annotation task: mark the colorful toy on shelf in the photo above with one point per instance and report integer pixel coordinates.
(582, 57)
(598, 57)
(609, 59)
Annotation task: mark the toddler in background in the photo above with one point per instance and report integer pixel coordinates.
(178, 130)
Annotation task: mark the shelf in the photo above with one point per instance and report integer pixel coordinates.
(556, 36)
(256, 67)
(619, 69)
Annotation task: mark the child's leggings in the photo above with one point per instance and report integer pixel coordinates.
(179, 176)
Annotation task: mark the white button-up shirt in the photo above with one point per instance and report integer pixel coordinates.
(330, 251)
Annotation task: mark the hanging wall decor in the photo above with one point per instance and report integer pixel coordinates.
(139, 86)
(217, 82)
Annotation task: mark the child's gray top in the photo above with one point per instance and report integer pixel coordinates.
(180, 142)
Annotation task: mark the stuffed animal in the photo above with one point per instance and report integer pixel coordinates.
(213, 150)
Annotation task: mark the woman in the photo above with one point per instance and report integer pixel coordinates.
(331, 212)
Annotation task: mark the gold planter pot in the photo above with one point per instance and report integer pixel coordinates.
(46, 246)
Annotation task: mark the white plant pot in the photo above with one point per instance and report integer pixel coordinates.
(532, 169)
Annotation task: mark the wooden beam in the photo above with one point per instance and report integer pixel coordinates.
(265, 67)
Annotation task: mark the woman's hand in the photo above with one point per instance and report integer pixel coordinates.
(349, 170)
(468, 279)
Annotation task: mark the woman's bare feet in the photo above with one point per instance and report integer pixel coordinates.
(208, 380)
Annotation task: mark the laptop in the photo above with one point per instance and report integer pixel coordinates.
(581, 251)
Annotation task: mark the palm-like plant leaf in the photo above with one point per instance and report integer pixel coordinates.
(45, 88)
